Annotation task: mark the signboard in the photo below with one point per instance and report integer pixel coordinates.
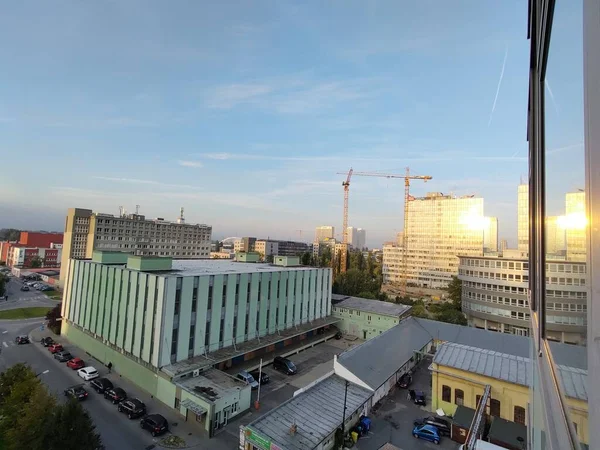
(257, 440)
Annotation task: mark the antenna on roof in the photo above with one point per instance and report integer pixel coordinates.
(137, 209)
(181, 218)
(121, 211)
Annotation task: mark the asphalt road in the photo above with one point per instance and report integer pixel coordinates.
(21, 299)
(116, 430)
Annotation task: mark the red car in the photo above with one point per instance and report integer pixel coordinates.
(55, 348)
(75, 363)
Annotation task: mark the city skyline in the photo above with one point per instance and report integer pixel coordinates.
(245, 123)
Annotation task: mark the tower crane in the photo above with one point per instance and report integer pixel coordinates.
(344, 250)
(407, 177)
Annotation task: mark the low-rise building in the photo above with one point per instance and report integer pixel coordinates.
(366, 318)
(168, 324)
(20, 255)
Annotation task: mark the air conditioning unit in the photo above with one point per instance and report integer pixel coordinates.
(196, 372)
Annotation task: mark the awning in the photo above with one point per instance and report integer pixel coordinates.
(193, 406)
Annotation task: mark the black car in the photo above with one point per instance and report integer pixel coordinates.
(442, 425)
(284, 365)
(115, 395)
(101, 384)
(21, 340)
(133, 408)
(264, 378)
(76, 392)
(47, 341)
(155, 423)
(63, 356)
(419, 398)
(404, 381)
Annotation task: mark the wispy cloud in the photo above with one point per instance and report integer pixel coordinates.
(498, 88)
(106, 122)
(565, 148)
(195, 164)
(226, 97)
(547, 83)
(144, 182)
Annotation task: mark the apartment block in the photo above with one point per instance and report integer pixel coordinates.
(86, 231)
(357, 237)
(40, 239)
(324, 232)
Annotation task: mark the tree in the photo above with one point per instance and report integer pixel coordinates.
(355, 282)
(367, 294)
(269, 259)
(455, 292)
(70, 419)
(3, 281)
(9, 234)
(35, 262)
(325, 259)
(53, 317)
(306, 259)
(419, 311)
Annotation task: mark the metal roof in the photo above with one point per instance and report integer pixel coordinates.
(377, 359)
(317, 412)
(502, 366)
(373, 306)
(574, 382)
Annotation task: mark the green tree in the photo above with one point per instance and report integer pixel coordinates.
(419, 311)
(355, 282)
(269, 259)
(325, 258)
(70, 419)
(3, 281)
(357, 260)
(9, 234)
(306, 259)
(53, 317)
(367, 294)
(451, 316)
(455, 292)
(36, 262)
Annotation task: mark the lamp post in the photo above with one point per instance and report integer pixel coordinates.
(344, 413)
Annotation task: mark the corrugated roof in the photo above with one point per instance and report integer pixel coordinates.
(375, 360)
(502, 366)
(373, 306)
(574, 382)
(316, 413)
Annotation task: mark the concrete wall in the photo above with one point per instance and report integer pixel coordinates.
(509, 395)
(361, 324)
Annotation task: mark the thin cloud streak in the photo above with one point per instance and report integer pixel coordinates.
(195, 164)
(498, 88)
(552, 96)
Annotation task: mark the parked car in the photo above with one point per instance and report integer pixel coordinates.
(115, 395)
(284, 365)
(248, 379)
(47, 341)
(88, 373)
(78, 392)
(24, 288)
(22, 340)
(427, 432)
(155, 423)
(420, 398)
(63, 356)
(133, 408)
(405, 381)
(443, 426)
(53, 348)
(261, 377)
(75, 363)
(101, 385)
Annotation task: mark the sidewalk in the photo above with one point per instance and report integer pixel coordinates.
(193, 437)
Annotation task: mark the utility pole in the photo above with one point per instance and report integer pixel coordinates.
(344, 414)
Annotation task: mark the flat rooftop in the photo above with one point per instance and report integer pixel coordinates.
(370, 306)
(194, 267)
(211, 385)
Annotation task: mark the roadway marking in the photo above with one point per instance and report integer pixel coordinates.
(5, 344)
(4, 332)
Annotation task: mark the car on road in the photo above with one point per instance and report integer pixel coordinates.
(284, 365)
(75, 363)
(30, 283)
(22, 340)
(443, 426)
(248, 379)
(261, 377)
(427, 432)
(115, 395)
(53, 348)
(155, 423)
(47, 341)
(420, 398)
(63, 356)
(101, 384)
(405, 381)
(88, 373)
(78, 392)
(133, 408)
(25, 288)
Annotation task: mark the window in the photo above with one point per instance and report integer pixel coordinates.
(446, 393)
(494, 407)
(459, 397)
(519, 416)
(176, 403)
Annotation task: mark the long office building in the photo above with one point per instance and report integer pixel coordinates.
(440, 228)
(494, 295)
(168, 324)
(86, 231)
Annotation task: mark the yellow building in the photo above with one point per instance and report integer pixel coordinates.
(460, 373)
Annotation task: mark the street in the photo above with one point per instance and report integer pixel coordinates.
(23, 299)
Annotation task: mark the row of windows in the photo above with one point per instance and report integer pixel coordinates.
(497, 299)
(498, 264)
(495, 275)
(494, 406)
(495, 311)
(494, 287)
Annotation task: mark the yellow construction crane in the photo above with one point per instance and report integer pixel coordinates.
(344, 250)
(407, 177)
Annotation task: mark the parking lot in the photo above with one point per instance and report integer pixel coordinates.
(393, 419)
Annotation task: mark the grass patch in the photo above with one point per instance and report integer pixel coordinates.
(24, 313)
(54, 295)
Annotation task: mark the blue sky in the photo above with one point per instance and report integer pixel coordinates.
(243, 112)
